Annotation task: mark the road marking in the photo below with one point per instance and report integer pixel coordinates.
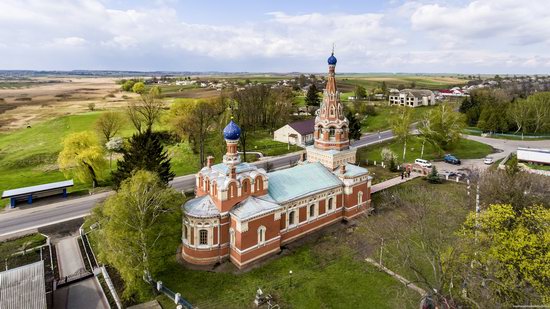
(45, 224)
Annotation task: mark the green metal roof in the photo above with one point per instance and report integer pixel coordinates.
(289, 184)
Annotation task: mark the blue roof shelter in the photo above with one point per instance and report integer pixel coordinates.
(28, 193)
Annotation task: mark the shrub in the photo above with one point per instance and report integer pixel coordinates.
(91, 106)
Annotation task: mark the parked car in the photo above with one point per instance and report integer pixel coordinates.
(449, 158)
(423, 163)
(488, 160)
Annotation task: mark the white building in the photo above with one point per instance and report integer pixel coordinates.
(411, 97)
(297, 133)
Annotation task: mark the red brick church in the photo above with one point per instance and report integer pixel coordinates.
(243, 213)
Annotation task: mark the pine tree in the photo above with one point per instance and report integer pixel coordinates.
(312, 97)
(354, 126)
(145, 152)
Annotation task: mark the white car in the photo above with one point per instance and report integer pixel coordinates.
(488, 160)
(423, 163)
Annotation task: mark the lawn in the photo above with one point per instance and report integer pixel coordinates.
(538, 166)
(379, 173)
(464, 149)
(325, 275)
(385, 114)
(7, 248)
(29, 156)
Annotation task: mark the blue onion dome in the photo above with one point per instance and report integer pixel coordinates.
(232, 131)
(332, 60)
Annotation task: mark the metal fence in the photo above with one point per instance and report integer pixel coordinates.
(176, 297)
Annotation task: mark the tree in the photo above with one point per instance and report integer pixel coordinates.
(139, 226)
(194, 120)
(423, 250)
(138, 87)
(401, 126)
(519, 113)
(145, 113)
(108, 124)
(384, 88)
(144, 152)
(515, 188)
(115, 144)
(312, 96)
(127, 85)
(539, 103)
(82, 156)
(442, 127)
(504, 257)
(354, 126)
(360, 92)
(433, 177)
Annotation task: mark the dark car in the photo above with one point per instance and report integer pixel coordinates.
(449, 158)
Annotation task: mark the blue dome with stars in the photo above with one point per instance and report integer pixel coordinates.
(232, 131)
(332, 60)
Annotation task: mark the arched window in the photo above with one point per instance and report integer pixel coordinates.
(185, 231)
(311, 211)
(231, 237)
(359, 198)
(245, 186)
(291, 218)
(330, 204)
(203, 237)
(332, 109)
(261, 235)
(232, 190)
(258, 183)
(331, 132)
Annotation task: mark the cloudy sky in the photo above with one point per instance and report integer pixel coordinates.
(432, 36)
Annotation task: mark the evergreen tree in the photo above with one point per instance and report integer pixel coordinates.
(312, 97)
(354, 126)
(145, 152)
(433, 177)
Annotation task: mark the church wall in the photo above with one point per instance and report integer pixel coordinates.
(304, 229)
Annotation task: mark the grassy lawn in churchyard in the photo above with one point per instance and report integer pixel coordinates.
(464, 149)
(326, 273)
(449, 201)
(379, 174)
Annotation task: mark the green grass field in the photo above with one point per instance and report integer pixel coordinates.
(464, 149)
(29, 156)
(385, 114)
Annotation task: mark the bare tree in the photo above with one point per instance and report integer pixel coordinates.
(108, 124)
(145, 113)
(422, 251)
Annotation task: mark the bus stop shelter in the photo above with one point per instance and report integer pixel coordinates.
(30, 193)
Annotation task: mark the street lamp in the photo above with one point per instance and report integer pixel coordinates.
(290, 278)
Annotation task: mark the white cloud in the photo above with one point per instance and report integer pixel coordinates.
(415, 36)
(516, 22)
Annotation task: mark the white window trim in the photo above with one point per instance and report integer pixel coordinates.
(261, 232)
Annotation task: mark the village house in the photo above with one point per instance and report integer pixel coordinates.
(244, 214)
(298, 133)
(411, 97)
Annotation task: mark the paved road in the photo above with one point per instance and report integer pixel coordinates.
(18, 220)
(69, 257)
(504, 147)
